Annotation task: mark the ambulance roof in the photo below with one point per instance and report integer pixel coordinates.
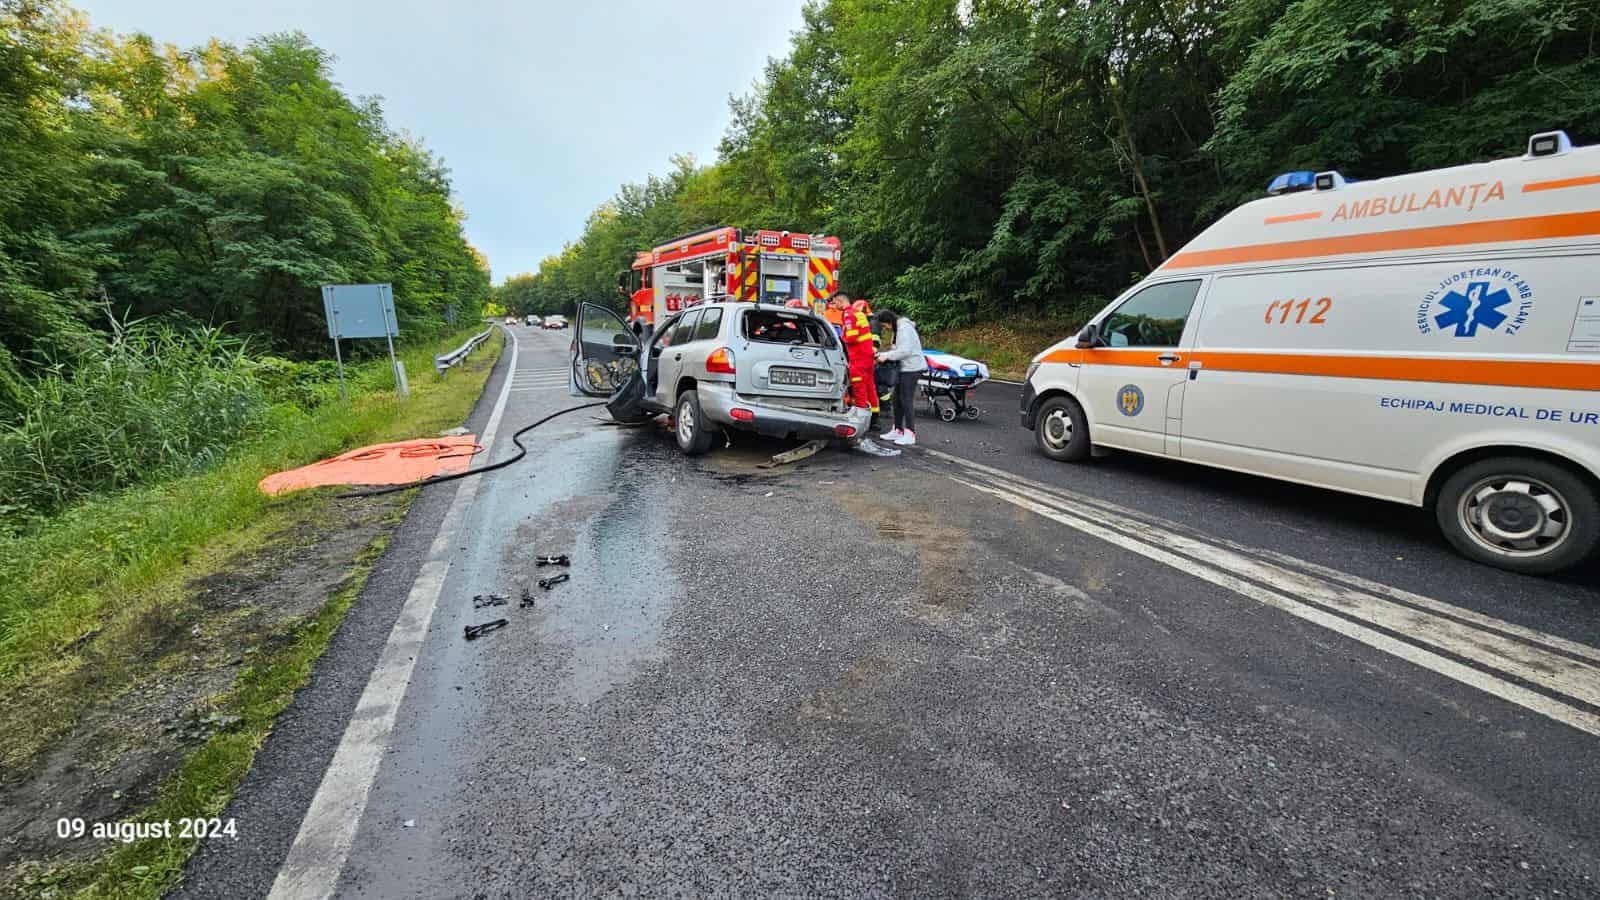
(1510, 203)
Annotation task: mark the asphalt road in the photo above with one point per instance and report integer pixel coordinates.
(967, 671)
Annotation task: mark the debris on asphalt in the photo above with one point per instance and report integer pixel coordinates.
(410, 823)
(479, 601)
(527, 599)
(558, 560)
(809, 448)
(473, 632)
(871, 448)
(553, 580)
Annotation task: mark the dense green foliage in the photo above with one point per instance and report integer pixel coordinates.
(992, 157)
(213, 187)
(155, 401)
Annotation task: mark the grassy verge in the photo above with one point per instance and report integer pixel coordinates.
(208, 777)
(60, 577)
(1005, 345)
(99, 604)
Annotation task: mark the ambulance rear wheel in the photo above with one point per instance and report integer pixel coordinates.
(1519, 513)
(1062, 430)
(693, 432)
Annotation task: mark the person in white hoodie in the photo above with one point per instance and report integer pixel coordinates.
(907, 351)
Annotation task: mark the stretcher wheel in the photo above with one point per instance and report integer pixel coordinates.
(946, 413)
(972, 412)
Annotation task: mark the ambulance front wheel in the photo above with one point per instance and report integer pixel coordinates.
(1520, 513)
(1062, 430)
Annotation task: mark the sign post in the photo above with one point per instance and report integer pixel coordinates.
(363, 311)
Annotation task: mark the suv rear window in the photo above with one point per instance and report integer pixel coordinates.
(778, 327)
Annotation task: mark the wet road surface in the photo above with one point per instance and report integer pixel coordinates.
(966, 671)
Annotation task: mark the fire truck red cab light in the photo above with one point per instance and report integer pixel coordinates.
(741, 414)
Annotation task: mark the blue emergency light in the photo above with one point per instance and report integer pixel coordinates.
(1292, 182)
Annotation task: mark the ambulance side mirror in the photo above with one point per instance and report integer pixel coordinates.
(1089, 337)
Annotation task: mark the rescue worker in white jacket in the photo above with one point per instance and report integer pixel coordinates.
(907, 351)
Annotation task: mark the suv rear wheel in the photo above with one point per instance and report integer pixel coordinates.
(1062, 430)
(693, 432)
(1520, 513)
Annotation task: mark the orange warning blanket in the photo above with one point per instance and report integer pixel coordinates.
(397, 463)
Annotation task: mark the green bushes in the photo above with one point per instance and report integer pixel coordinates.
(151, 402)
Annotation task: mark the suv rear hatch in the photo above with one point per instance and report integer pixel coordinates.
(789, 355)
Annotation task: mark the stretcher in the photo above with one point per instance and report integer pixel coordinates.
(946, 381)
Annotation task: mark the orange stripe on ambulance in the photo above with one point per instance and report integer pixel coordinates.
(1452, 362)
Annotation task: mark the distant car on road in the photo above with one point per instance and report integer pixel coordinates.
(533, 321)
(511, 320)
(752, 367)
(555, 321)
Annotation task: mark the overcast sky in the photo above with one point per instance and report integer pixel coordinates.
(540, 109)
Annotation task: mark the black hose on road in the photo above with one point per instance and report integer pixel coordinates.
(516, 438)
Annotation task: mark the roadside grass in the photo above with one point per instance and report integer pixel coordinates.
(105, 550)
(201, 788)
(96, 594)
(1005, 345)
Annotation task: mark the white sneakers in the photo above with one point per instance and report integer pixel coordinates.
(892, 437)
(905, 438)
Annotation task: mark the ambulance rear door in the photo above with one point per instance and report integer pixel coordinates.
(1131, 380)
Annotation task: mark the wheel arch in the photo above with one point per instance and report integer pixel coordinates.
(685, 383)
(1047, 395)
(1454, 463)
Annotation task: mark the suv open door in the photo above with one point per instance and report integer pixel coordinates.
(605, 362)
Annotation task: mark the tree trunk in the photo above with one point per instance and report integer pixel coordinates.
(1138, 168)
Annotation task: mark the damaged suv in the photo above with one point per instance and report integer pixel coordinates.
(776, 371)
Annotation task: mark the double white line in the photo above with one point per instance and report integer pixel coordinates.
(525, 380)
(1436, 635)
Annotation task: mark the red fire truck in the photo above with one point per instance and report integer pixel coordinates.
(722, 264)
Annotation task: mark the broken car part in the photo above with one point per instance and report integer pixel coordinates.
(809, 448)
(553, 580)
(527, 599)
(481, 600)
(473, 632)
(560, 560)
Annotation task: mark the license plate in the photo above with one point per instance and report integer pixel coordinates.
(794, 377)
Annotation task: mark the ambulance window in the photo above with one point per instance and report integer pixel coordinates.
(1154, 317)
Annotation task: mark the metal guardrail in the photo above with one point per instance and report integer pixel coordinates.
(441, 363)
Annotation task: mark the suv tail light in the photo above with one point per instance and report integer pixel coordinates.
(741, 414)
(844, 430)
(720, 361)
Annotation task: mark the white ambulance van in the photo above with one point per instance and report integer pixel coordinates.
(1431, 339)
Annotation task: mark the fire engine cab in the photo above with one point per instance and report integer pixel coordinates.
(726, 264)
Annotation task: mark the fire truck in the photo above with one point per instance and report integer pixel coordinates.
(725, 264)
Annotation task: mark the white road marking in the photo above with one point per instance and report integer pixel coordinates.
(1580, 719)
(1334, 577)
(320, 849)
(1507, 648)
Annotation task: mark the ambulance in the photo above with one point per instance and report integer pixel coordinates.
(1431, 339)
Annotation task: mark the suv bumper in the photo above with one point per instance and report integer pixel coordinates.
(717, 402)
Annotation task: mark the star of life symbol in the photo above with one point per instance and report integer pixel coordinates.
(1476, 306)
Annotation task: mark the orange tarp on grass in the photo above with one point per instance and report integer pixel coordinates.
(399, 463)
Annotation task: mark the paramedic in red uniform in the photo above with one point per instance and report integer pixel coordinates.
(856, 331)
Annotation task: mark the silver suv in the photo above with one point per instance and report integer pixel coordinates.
(773, 370)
